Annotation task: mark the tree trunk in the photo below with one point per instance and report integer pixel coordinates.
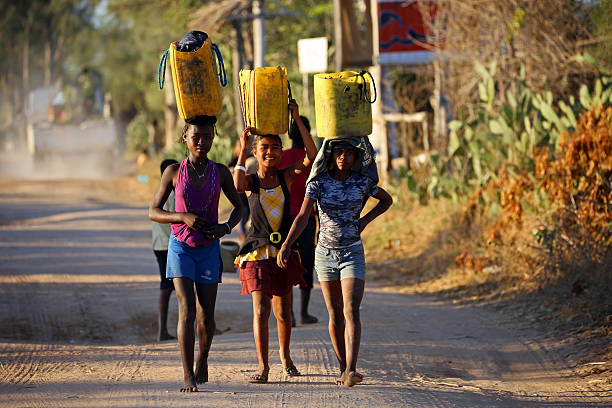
(439, 133)
(25, 72)
(56, 55)
(7, 90)
(48, 62)
(237, 65)
(21, 132)
(8, 96)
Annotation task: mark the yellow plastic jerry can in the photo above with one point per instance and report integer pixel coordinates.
(197, 83)
(342, 104)
(264, 96)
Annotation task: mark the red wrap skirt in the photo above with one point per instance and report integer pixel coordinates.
(267, 276)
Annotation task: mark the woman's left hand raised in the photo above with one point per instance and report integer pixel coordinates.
(294, 108)
(245, 138)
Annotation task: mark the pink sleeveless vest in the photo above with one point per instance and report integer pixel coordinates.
(202, 201)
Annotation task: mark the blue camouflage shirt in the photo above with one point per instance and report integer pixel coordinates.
(340, 204)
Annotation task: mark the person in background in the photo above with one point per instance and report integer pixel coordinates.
(251, 168)
(194, 251)
(306, 242)
(161, 236)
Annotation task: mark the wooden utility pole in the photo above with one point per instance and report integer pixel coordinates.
(305, 92)
(259, 34)
(338, 34)
(170, 113)
(239, 59)
(439, 132)
(379, 137)
(237, 65)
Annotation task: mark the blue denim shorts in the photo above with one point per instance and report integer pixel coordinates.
(200, 264)
(337, 264)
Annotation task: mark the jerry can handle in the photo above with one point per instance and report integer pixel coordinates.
(161, 70)
(222, 73)
(362, 75)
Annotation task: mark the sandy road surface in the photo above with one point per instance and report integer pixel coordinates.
(78, 287)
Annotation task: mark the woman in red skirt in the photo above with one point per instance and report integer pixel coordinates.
(268, 196)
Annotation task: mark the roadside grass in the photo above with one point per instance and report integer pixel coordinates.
(410, 245)
(436, 250)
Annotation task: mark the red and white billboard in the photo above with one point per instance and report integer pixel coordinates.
(402, 32)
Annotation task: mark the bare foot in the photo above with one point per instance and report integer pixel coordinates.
(340, 380)
(352, 378)
(190, 385)
(201, 373)
(164, 337)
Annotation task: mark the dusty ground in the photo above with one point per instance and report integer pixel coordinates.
(78, 289)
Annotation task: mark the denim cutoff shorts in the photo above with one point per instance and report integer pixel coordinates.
(200, 264)
(337, 264)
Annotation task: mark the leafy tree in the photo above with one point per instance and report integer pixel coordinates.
(37, 36)
(315, 19)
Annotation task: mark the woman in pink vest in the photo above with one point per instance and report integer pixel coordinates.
(194, 255)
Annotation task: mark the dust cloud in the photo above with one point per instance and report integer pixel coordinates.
(85, 166)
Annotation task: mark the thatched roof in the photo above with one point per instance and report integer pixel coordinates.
(213, 16)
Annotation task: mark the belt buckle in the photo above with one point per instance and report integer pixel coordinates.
(275, 237)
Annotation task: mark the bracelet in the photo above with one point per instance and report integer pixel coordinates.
(229, 228)
(240, 168)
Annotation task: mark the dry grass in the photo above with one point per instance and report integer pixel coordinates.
(410, 246)
(434, 250)
(548, 263)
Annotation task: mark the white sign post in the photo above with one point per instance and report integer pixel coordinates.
(312, 58)
(312, 55)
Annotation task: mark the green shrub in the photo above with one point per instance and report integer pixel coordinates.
(137, 138)
(503, 133)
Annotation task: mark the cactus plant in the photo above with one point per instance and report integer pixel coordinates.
(492, 137)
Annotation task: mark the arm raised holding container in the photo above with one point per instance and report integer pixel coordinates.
(268, 195)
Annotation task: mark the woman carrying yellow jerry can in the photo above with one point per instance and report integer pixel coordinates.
(264, 97)
(342, 179)
(194, 254)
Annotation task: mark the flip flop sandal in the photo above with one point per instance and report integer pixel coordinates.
(308, 319)
(292, 371)
(258, 378)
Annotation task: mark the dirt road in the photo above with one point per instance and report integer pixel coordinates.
(78, 290)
